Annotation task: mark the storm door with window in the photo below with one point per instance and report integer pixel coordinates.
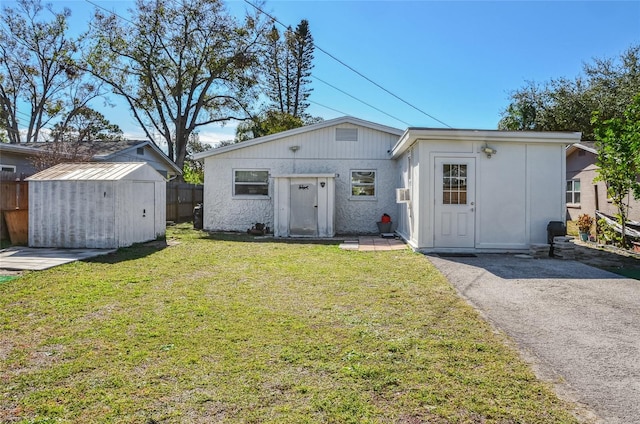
(454, 216)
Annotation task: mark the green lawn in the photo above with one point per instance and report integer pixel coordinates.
(230, 330)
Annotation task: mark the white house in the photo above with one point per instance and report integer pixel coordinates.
(444, 189)
(96, 205)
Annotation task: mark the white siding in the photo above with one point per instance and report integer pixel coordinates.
(318, 153)
(96, 213)
(518, 191)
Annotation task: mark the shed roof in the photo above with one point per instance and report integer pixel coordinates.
(103, 171)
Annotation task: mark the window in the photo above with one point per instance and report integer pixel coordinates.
(573, 191)
(346, 134)
(140, 151)
(7, 168)
(363, 183)
(454, 184)
(251, 183)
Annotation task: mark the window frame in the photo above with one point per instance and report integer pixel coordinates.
(352, 185)
(248, 183)
(13, 168)
(572, 192)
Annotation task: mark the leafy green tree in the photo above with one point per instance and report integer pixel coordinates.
(618, 144)
(179, 65)
(269, 122)
(86, 125)
(39, 68)
(193, 171)
(563, 104)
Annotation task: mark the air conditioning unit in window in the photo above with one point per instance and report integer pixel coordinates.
(402, 195)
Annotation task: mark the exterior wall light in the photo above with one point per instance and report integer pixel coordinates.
(489, 151)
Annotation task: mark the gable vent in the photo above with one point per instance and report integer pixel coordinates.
(346, 134)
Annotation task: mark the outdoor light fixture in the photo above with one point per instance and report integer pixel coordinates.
(488, 150)
(294, 148)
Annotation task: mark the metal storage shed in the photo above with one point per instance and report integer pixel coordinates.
(96, 205)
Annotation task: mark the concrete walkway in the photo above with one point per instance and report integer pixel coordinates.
(19, 258)
(579, 326)
(373, 243)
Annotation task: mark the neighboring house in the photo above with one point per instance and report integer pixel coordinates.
(444, 189)
(583, 195)
(21, 158)
(17, 158)
(96, 205)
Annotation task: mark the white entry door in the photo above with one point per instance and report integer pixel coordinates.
(454, 216)
(303, 220)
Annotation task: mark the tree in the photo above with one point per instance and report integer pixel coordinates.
(618, 144)
(287, 66)
(38, 67)
(86, 125)
(269, 122)
(193, 172)
(562, 104)
(179, 66)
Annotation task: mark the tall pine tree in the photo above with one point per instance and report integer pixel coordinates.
(288, 65)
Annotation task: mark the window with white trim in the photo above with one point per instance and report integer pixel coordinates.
(7, 168)
(250, 182)
(363, 183)
(573, 191)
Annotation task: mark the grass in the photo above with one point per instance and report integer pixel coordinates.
(226, 330)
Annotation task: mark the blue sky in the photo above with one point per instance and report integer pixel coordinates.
(454, 60)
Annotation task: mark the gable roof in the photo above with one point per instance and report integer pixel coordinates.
(300, 130)
(587, 146)
(92, 171)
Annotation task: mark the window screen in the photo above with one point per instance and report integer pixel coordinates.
(251, 182)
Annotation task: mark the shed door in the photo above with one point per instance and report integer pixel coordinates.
(146, 210)
(304, 207)
(454, 202)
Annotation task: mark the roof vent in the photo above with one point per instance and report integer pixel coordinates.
(346, 134)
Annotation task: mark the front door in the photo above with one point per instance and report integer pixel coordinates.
(454, 203)
(304, 207)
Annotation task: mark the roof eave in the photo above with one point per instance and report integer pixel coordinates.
(411, 135)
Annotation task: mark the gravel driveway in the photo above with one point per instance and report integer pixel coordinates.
(579, 326)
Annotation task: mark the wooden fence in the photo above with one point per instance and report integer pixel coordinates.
(14, 195)
(181, 199)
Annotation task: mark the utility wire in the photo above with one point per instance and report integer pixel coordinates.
(354, 70)
(361, 101)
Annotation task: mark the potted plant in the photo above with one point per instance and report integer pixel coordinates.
(584, 226)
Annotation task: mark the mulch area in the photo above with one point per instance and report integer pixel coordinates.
(608, 257)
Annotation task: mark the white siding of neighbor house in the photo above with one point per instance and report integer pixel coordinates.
(79, 206)
(319, 153)
(518, 191)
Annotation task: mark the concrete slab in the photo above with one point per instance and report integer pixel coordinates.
(372, 243)
(36, 259)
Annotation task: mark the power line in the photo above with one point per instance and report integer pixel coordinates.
(361, 101)
(354, 70)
